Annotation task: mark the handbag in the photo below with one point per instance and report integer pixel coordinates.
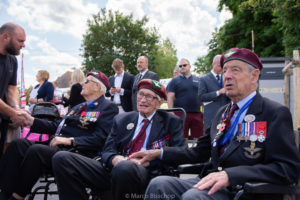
(34, 137)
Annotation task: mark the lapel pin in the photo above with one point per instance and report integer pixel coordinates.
(130, 126)
(249, 118)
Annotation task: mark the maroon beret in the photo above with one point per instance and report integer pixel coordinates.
(100, 76)
(153, 85)
(241, 54)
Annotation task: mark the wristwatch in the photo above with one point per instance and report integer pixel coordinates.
(73, 143)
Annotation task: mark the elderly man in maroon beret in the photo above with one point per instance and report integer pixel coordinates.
(149, 128)
(243, 142)
(85, 128)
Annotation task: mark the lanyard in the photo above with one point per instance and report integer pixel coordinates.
(235, 123)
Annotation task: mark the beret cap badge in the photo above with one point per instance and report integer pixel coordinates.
(156, 84)
(229, 53)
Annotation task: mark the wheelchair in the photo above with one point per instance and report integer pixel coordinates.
(287, 192)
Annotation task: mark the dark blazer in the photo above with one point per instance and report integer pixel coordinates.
(278, 160)
(149, 75)
(126, 84)
(46, 91)
(207, 91)
(121, 134)
(88, 136)
(75, 96)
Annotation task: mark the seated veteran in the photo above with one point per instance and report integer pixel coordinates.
(85, 128)
(250, 140)
(133, 131)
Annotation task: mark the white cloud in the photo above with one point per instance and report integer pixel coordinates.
(127, 7)
(47, 58)
(210, 4)
(187, 23)
(68, 16)
(224, 15)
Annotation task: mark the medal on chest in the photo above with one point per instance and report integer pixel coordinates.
(221, 127)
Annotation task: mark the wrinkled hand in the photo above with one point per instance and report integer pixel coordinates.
(145, 157)
(60, 140)
(213, 181)
(117, 159)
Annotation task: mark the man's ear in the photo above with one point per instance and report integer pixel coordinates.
(255, 75)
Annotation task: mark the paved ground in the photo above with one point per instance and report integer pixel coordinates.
(55, 196)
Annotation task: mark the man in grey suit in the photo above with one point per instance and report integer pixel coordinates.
(211, 92)
(142, 67)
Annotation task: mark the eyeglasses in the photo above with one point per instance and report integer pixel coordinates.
(183, 65)
(86, 81)
(148, 97)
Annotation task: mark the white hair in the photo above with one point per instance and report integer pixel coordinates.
(103, 87)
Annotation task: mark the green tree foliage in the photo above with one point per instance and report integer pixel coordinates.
(114, 35)
(165, 59)
(276, 26)
(285, 15)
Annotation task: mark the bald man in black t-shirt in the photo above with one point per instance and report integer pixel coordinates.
(12, 38)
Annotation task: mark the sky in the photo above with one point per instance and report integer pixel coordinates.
(54, 28)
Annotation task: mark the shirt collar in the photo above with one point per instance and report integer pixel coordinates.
(141, 117)
(215, 75)
(245, 100)
(182, 76)
(144, 72)
(120, 75)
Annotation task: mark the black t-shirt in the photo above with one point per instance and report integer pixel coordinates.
(8, 73)
(186, 92)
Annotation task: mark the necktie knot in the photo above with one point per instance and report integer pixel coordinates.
(218, 77)
(145, 121)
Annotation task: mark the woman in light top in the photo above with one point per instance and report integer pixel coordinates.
(75, 96)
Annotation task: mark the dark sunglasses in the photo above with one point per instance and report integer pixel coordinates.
(184, 65)
(86, 81)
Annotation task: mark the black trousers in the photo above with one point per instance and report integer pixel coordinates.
(22, 165)
(73, 173)
(3, 131)
(129, 181)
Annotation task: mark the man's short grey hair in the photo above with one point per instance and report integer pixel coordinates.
(145, 57)
(250, 67)
(184, 59)
(103, 87)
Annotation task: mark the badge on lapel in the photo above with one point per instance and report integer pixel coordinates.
(130, 126)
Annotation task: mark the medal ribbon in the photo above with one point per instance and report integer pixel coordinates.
(235, 123)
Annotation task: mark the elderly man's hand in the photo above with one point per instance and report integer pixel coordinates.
(144, 157)
(213, 181)
(117, 159)
(60, 140)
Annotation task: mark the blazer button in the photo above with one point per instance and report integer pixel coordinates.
(238, 187)
(220, 168)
